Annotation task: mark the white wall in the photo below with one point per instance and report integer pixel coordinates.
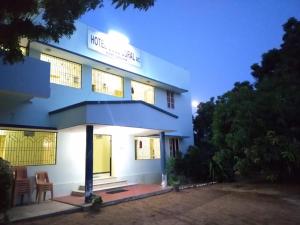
(69, 171)
(124, 164)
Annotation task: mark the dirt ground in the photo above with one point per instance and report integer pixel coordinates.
(220, 204)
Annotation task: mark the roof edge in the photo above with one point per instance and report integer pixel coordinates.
(84, 103)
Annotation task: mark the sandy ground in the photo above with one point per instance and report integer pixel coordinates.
(220, 204)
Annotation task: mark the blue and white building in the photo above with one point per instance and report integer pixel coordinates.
(93, 104)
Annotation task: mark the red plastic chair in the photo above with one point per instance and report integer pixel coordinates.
(21, 184)
(43, 185)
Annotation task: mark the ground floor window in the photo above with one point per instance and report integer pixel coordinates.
(147, 148)
(26, 147)
(174, 147)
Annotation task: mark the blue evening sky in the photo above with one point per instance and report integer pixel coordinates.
(215, 40)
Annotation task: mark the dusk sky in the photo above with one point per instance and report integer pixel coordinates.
(215, 40)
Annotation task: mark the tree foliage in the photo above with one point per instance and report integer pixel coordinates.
(6, 180)
(255, 128)
(203, 122)
(45, 20)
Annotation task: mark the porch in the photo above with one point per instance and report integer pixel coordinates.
(69, 204)
(124, 125)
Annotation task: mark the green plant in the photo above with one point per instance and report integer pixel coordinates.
(96, 202)
(97, 199)
(173, 176)
(6, 180)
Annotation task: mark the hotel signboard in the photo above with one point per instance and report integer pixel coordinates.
(107, 46)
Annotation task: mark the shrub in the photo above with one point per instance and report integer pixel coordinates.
(196, 161)
(6, 180)
(96, 203)
(222, 165)
(192, 167)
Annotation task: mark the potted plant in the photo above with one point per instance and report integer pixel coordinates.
(96, 203)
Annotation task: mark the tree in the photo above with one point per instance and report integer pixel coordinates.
(258, 125)
(6, 181)
(45, 20)
(278, 106)
(203, 121)
(233, 129)
(254, 129)
(197, 159)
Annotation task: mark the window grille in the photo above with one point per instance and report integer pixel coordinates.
(63, 72)
(24, 148)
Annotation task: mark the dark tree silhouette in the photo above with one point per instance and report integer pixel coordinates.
(45, 20)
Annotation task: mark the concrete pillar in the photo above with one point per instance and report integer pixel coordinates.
(89, 164)
(163, 159)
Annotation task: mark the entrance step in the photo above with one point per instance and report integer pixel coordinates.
(105, 183)
(100, 184)
(101, 175)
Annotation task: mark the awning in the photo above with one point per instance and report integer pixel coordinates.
(114, 113)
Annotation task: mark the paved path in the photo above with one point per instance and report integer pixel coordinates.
(211, 205)
(39, 210)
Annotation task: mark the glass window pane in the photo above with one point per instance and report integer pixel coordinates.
(142, 92)
(170, 100)
(63, 72)
(174, 146)
(107, 83)
(147, 148)
(23, 50)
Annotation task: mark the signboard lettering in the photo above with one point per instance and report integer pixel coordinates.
(123, 52)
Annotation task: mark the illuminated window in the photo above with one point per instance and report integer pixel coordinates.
(107, 83)
(63, 72)
(174, 147)
(24, 148)
(23, 50)
(147, 148)
(142, 92)
(170, 100)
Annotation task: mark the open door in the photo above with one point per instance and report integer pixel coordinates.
(102, 154)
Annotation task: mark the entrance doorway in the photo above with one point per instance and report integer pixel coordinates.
(102, 154)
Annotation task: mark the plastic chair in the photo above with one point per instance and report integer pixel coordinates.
(21, 184)
(43, 185)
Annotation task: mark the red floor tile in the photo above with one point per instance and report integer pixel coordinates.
(134, 190)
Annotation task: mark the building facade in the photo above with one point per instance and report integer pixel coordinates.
(93, 104)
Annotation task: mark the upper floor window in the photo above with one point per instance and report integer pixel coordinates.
(63, 72)
(147, 148)
(174, 147)
(142, 92)
(170, 100)
(107, 83)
